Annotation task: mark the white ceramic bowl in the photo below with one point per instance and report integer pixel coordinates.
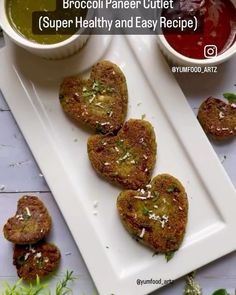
(51, 51)
(179, 59)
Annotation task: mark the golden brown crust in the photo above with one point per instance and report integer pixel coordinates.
(99, 102)
(157, 217)
(218, 119)
(31, 222)
(128, 158)
(37, 260)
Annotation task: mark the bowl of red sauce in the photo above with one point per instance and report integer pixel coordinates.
(213, 44)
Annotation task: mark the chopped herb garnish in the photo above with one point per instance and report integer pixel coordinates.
(99, 128)
(96, 89)
(110, 89)
(145, 211)
(231, 97)
(143, 116)
(97, 86)
(120, 143)
(123, 149)
(171, 189)
(155, 199)
(103, 141)
(40, 262)
(87, 93)
(26, 216)
(124, 157)
(169, 255)
(21, 260)
(156, 195)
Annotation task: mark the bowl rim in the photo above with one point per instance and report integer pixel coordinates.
(206, 61)
(21, 40)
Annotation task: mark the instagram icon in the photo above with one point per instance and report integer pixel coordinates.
(210, 51)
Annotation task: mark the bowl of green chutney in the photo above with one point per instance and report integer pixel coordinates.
(17, 23)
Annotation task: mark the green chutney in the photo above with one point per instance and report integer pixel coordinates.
(20, 16)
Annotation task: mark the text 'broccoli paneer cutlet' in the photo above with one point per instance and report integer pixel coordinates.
(99, 102)
(128, 158)
(156, 216)
(30, 224)
(218, 119)
(35, 260)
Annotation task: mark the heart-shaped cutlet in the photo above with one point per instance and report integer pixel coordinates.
(218, 119)
(156, 216)
(128, 158)
(30, 224)
(35, 260)
(99, 102)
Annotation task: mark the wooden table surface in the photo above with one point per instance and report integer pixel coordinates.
(19, 175)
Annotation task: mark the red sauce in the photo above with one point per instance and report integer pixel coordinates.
(219, 29)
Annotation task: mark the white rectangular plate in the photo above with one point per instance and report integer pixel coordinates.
(115, 261)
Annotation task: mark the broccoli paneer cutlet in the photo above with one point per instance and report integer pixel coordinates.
(218, 119)
(128, 158)
(156, 216)
(35, 260)
(99, 102)
(30, 224)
